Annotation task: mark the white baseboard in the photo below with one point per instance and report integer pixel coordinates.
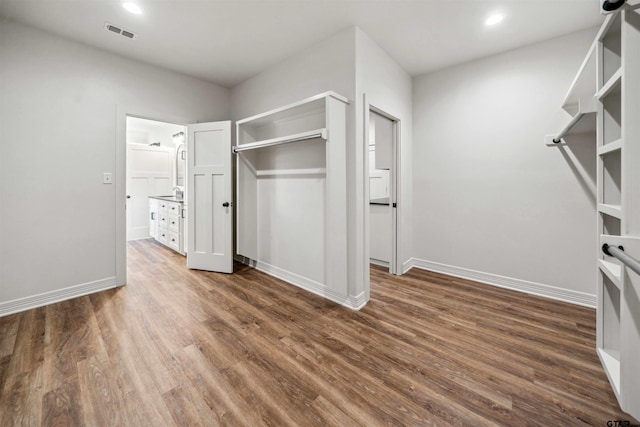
(352, 302)
(407, 265)
(51, 297)
(379, 263)
(553, 292)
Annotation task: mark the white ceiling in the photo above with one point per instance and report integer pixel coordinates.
(226, 42)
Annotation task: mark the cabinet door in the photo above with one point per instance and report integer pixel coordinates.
(153, 218)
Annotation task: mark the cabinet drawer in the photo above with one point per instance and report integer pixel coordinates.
(163, 220)
(173, 223)
(163, 235)
(173, 208)
(173, 241)
(163, 207)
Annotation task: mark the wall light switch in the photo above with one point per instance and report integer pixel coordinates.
(107, 178)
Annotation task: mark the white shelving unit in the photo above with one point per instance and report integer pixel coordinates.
(606, 93)
(618, 204)
(291, 195)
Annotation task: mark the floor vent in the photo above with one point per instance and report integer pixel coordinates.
(118, 30)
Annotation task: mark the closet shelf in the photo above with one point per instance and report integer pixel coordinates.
(611, 362)
(302, 136)
(611, 210)
(295, 109)
(583, 87)
(610, 147)
(612, 270)
(280, 172)
(607, 26)
(580, 102)
(611, 85)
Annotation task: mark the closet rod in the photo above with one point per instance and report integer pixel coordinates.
(322, 133)
(618, 252)
(568, 127)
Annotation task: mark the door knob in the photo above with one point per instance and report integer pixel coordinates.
(226, 204)
(128, 196)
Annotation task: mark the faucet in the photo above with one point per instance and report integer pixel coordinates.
(178, 192)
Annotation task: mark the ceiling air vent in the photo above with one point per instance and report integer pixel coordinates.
(118, 30)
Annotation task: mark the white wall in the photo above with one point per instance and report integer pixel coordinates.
(58, 110)
(327, 65)
(491, 201)
(388, 87)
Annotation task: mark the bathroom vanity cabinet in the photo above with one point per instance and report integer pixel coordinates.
(167, 222)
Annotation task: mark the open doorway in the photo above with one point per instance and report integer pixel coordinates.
(155, 182)
(208, 248)
(383, 145)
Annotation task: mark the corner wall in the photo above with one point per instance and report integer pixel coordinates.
(58, 137)
(491, 201)
(352, 65)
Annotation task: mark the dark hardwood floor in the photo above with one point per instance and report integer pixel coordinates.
(189, 348)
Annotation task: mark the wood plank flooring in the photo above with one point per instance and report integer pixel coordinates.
(190, 348)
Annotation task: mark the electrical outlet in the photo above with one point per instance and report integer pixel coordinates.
(107, 178)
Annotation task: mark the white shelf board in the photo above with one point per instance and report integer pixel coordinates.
(611, 210)
(605, 27)
(611, 84)
(611, 362)
(302, 136)
(280, 172)
(610, 147)
(613, 272)
(584, 83)
(585, 124)
(300, 107)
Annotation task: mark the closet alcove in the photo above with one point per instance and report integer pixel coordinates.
(291, 195)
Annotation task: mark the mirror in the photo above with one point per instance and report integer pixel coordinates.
(181, 159)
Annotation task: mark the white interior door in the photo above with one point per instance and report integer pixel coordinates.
(149, 171)
(209, 197)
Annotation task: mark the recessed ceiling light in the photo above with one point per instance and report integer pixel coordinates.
(494, 19)
(132, 8)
